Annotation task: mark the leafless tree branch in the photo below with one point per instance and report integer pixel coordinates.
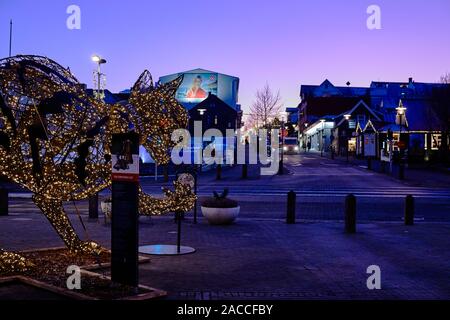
(266, 107)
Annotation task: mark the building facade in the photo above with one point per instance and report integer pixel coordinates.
(198, 83)
(211, 98)
(383, 119)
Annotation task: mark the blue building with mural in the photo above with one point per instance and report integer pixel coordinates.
(199, 83)
(211, 98)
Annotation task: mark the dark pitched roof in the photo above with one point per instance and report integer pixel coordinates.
(328, 89)
(323, 106)
(421, 115)
(390, 92)
(213, 99)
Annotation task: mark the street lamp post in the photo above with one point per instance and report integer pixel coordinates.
(347, 117)
(401, 112)
(305, 138)
(98, 75)
(322, 121)
(93, 201)
(201, 113)
(281, 163)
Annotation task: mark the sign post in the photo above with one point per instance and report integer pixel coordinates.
(124, 225)
(188, 177)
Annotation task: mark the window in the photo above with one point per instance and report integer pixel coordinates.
(436, 141)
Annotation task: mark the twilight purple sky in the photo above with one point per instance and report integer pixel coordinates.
(285, 43)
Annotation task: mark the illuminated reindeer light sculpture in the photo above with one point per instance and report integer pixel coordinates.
(55, 141)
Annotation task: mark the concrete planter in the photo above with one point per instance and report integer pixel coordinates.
(220, 216)
(60, 293)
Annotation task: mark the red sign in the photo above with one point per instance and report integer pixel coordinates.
(125, 177)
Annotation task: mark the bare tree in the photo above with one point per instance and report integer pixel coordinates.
(445, 78)
(441, 107)
(266, 107)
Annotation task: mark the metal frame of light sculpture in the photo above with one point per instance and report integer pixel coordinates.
(55, 141)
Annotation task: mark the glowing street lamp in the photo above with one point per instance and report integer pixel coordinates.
(98, 59)
(98, 75)
(401, 116)
(347, 117)
(401, 110)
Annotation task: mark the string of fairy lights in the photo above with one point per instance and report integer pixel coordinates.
(55, 141)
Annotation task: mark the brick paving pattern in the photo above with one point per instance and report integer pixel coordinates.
(260, 257)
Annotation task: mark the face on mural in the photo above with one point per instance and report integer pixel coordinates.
(197, 83)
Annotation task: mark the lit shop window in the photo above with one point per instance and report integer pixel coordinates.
(436, 140)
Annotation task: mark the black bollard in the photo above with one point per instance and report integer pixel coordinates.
(409, 210)
(4, 202)
(290, 214)
(93, 207)
(369, 163)
(244, 171)
(350, 214)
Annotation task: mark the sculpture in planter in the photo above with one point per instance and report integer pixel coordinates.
(219, 209)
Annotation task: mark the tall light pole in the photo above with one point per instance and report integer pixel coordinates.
(10, 36)
(281, 163)
(401, 113)
(99, 77)
(322, 121)
(201, 112)
(347, 118)
(99, 94)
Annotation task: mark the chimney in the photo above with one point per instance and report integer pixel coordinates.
(410, 80)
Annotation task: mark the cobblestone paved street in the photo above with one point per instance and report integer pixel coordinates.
(260, 257)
